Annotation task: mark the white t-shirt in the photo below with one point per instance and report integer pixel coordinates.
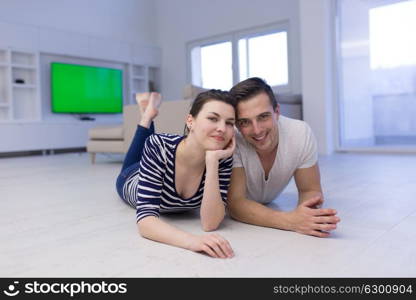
(297, 149)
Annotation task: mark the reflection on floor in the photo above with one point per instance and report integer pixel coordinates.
(61, 217)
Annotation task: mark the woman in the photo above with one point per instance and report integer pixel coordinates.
(170, 173)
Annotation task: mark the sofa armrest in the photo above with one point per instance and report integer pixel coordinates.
(290, 105)
(172, 116)
(171, 119)
(190, 91)
(106, 133)
(131, 118)
(289, 98)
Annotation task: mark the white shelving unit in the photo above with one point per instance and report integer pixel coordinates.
(19, 85)
(143, 78)
(153, 77)
(4, 85)
(26, 120)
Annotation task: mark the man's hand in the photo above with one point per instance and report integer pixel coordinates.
(307, 218)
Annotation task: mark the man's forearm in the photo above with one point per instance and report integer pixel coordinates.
(251, 212)
(305, 195)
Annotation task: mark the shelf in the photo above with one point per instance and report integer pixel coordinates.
(20, 58)
(138, 71)
(3, 57)
(154, 79)
(143, 78)
(28, 75)
(4, 114)
(27, 67)
(19, 101)
(24, 86)
(4, 90)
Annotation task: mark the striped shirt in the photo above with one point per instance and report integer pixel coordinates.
(151, 189)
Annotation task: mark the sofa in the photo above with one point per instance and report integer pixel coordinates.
(117, 139)
(171, 119)
(290, 105)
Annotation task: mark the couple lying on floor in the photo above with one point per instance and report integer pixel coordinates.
(214, 167)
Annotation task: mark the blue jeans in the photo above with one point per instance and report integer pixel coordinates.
(133, 156)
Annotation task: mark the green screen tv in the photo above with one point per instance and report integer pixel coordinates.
(82, 89)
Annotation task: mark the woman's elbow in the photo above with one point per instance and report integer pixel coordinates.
(143, 226)
(211, 225)
(140, 229)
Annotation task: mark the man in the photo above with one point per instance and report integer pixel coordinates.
(271, 149)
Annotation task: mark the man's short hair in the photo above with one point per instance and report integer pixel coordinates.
(251, 87)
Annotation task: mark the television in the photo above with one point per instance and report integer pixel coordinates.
(83, 89)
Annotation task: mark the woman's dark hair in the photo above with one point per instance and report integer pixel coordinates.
(207, 96)
(251, 87)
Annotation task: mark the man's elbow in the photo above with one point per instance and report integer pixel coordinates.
(233, 209)
(235, 215)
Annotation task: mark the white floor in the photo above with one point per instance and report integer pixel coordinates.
(61, 217)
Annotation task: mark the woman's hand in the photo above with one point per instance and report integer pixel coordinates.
(212, 244)
(223, 153)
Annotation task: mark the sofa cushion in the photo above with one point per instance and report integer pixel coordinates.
(172, 116)
(289, 98)
(290, 105)
(97, 146)
(190, 91)
(106, 133)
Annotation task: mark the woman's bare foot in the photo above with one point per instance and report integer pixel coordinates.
(142, 100)
(151, 110)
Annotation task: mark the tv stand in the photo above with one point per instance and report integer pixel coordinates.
(86, 118)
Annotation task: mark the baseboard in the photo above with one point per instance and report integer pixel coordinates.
(41, 152)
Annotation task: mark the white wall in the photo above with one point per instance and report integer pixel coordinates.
(103, 32)
(171, 24)
(317, 70)
(124, 20)
(182, 21)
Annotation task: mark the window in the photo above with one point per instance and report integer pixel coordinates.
(377, 67)
(213, 66)
(264, 56)
(224, 61)
(390, 48)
